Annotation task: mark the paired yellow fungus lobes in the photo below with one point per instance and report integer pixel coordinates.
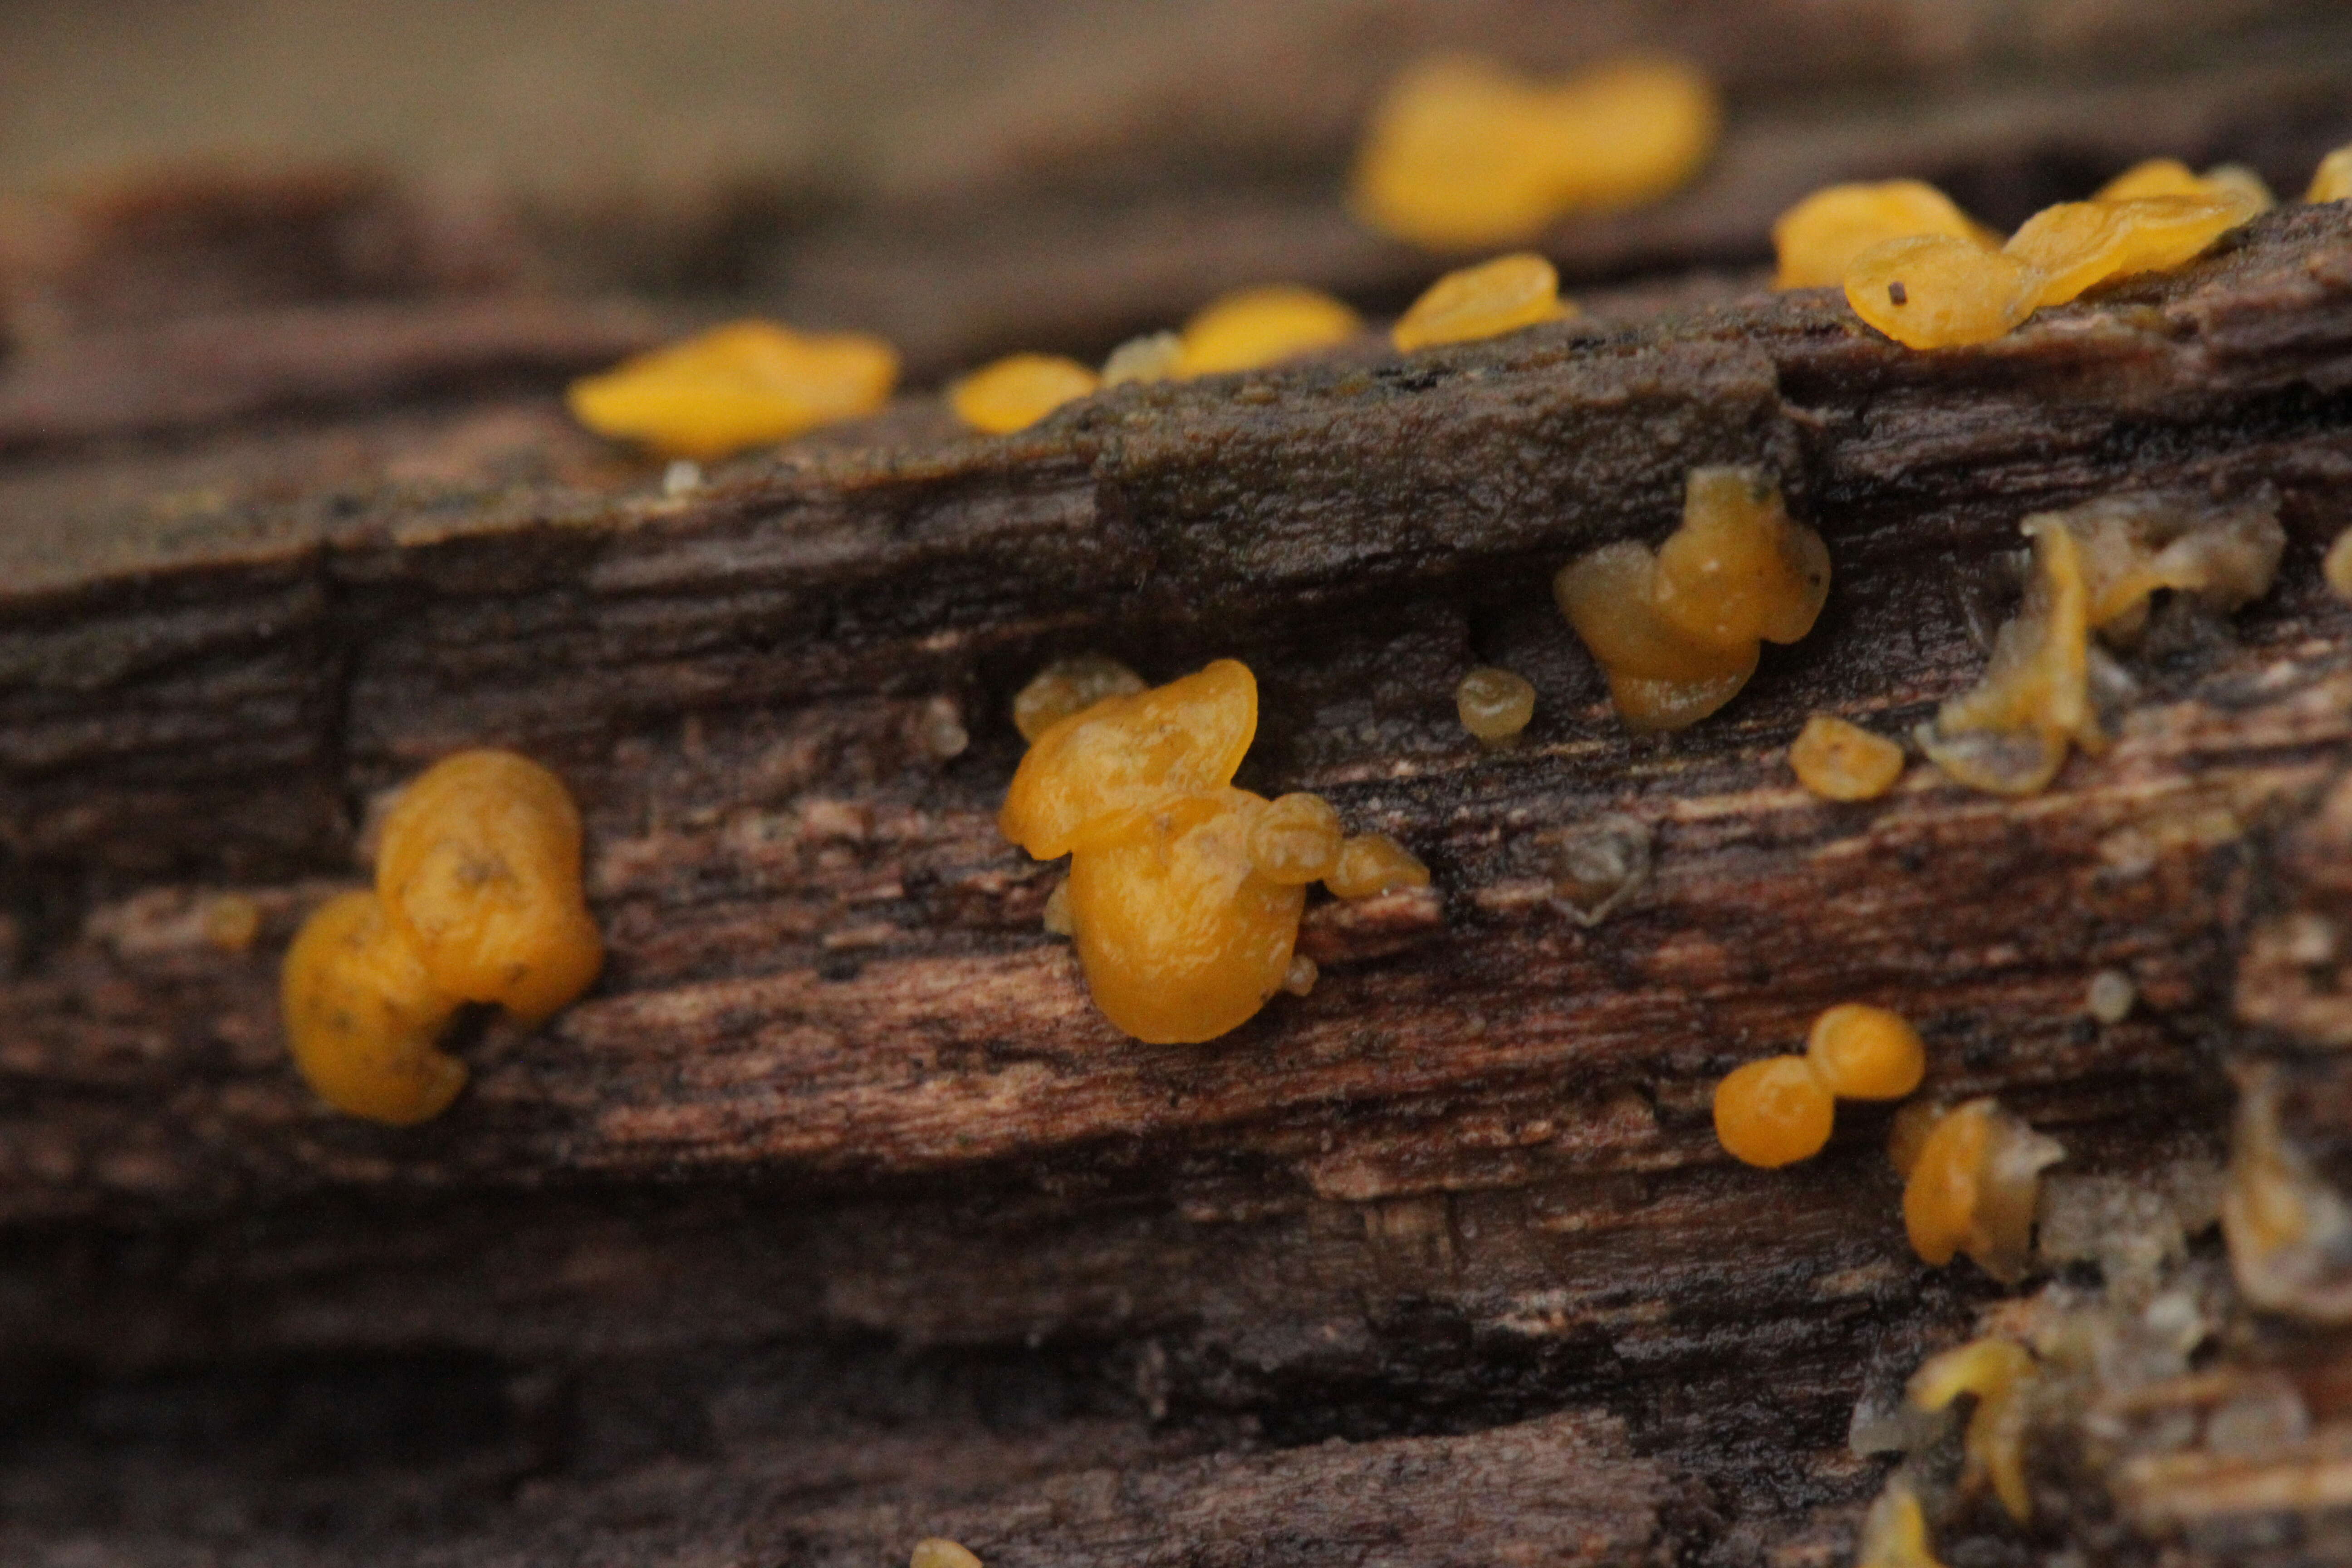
(1462, 152)
(1493, 704)
(1184, 893)
(477, 898)
(1895, 1531)
(1841, 760)
(2000, 1373)
(736, 387)
(1818, 239)
(2332, 181)
(1257, 327)
(1070, 686)
(1504, 295)
(1971, 1184)
(480, 868)
(1774, 1113)
(1677, 631)
(1015, 392)
(1863, 1052)
(362, 1014)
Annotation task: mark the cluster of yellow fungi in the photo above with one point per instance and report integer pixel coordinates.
(1678, 629)
(1462, 154)
(1778, 1110)
(1184, 893)
(743, 385)
(2000, 1376)
(476, 898)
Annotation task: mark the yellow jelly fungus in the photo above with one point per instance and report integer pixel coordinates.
(480, 868)
(736, 387)
(1296, 839)
(1155, 356)
(2336, 566)
(1017, 391)
(938, 1553)
(1371, 864)
(1483, 302)
(1676, 631)
(1817, 240)
(1972, 1186)
(2171, 177)
(2332, 181)
(1841, 760)
(1774, 1113)
(1932, 291)
(1895, 1531)
(2000, 1373)
(1493, 704)
(361, 1015)
(1462, 154)
(1070, 686)
(1257, 327)
(1866, 1053)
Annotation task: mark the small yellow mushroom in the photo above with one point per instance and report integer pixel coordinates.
(1015, 392)
(1971, 1185)
(1494, 705)
(362, 1014)
(1866, 1053)
(1069, 686)
(2000, 1373)
(1371, 864)
(1254, 327)
(1774, 1113)
(1817, 240)
(1841, 761)
(2332, 181)
(1154, 356)
(2336, 566)
(735, 386)
(1487, 300)
(939, 1552)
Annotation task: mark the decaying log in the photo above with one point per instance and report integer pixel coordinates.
(834, 1216)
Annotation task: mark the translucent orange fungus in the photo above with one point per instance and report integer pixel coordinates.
(1017, 391)
(1866, 1053)
(1256, 327)
(1841, 760)
(480, 868)
(1184, 893)
(362, 1014)
(2000, 1373)
(1676, 631)
(2332, 181)
(1817, 240)
(1462, 152)
(1070, 686)
(1493, 704)
(1371, 864)
(1774, 1113)
(1895, 1531)
(2171, 177)
(936, 1551)
(736, 386)
(1483, 302)
(1973, 1185)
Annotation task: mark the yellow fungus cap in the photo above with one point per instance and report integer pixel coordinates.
(361, 1015)
(1257, 327)
(1017, 391)
(1494, 705)
(1998, 1373)
(1371, 863)
(1972, 1188)
(936, 1552)
(2171, 177)
(1069, 686)
(1841, 761)
(1774, 1113)
(2332, 181)
(1505, 295)
(1866, 1053)
(1296, 839)
(740, 385)
(1818, 239)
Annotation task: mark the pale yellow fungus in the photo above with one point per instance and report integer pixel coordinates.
(1841, 760)
(1296, 839)
(2171, 177)
(1254, 327)
(735, 386)
(1154, 356)
(2336, 566)
(231, 922)
(2288, 1226)
(938, 1553)
(1493, 704)
(1015, 392)
(1057, 919)
(1496, 297)
(2001, 1375)
(1371, 864)
(1462, 154)
(2110, 997)
(362, 1014)
(2332, 181)
(1895, 1531)
(1972, 1184)
(1300, 981)
(1069, 686)
(1866, 1053)
(1818, 239)
(1678, 632)
(1774, 1113)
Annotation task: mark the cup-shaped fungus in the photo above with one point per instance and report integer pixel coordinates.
(1774, 1113)
(1817, 240)
(1069, 686)
(1296, 839)
(1677, 630)
(479, 867)
(735, 386)
(1015, 392)
(1521, 289)
(1371, 864)
(1970, 1185)
(2001, 1375)
(362, 1014)
(1841, 761)
(1866, 1053)
(1493, 704)
(1263, 326)
(1462, 154)
(2332, 181)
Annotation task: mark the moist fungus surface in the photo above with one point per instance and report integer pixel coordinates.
(1494, 705)
(1070, 686)
(1866, 1053)
(1015, 392)
(1971, 1178)
(1999, 1373)
(1774, 1113)
(1838, 759)
(1263, 326)
(740, 385)
(1817, 240)
(1505, 295)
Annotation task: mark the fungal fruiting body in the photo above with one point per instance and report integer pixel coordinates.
(2093, 568)
(1462, 154)
(1494, 705)
(1262, 326)
(2288, 1226)
(477, 898)
(740, 385)
(1972, 1176)
(936, 1551)
(1184, 893)
(1841, 760)
(1895, 1531)
(1676, 630)
(1816, 240)
(2332, 181)
(1015, 392)
(2336, 566)
(1943, 290)
(1521, 289)
(1069, 686)
(2001, 1375)
(1154, 356)
(1779, 1110)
